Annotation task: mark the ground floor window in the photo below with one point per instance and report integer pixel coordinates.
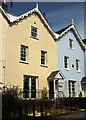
(60, 92)
(30, 86)
(72, 88)
(60, 85)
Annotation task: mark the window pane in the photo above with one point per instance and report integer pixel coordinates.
(26, 86)
(23, 53)
(77, 65)
(71, 43)
(66, 62)
(33, 87)
(33, 31)
(43, 57)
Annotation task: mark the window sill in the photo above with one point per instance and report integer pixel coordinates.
(43, 65)
(78, 71)
(24, 62)
(72, 48)
(66, 69)
(34, 37)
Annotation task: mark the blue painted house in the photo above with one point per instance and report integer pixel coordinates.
(83, 81)
(70, 51)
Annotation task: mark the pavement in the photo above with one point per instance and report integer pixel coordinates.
(74, 115)
(71, 116)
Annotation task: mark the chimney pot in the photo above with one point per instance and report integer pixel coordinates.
(44, 16)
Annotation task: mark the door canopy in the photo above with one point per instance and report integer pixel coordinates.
(56, 75)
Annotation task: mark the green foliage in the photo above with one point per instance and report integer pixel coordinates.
(10, 99)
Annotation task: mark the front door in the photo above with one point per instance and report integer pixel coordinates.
(51, 90)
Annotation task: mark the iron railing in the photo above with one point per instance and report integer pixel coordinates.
(38, 94)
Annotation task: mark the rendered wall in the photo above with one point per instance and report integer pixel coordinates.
(20, 34)
(73, 54)
(63, 49)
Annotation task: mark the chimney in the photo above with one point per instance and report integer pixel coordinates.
(4, 6)
(44, 15)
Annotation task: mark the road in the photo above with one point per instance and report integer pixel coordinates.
(74, 115)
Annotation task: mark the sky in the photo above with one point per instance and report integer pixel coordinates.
(58, 14)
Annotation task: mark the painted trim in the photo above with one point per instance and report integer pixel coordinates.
(34, 37)
(24, 62)
(72, 27)
(35, 10)
(44, 65)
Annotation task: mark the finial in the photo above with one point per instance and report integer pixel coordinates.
(37, 5)
(72, 22)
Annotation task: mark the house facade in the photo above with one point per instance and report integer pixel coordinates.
(44, 65)
(83, 81)
(3, 38)
(30, 52)
(70, 52)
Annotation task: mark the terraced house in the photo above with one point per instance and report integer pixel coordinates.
(30, 52)
(71, 60)
(30, 58)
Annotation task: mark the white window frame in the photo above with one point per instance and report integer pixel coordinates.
(72, 89)
(66, 62)
(45, 58)
(30, 84)
(34, 34)
(25, 49)
(77, 65)
(71, 43)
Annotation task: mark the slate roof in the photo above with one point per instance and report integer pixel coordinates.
(53, 75)
(62, 30)
(71, 27)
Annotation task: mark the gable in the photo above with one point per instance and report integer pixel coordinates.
(59, 76)
(72, 28)
(12, 20)
(65, 40)
(56, 75)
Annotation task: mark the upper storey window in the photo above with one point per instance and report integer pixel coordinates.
(71, 44)
(24, 53)
(43, 58)
(34, 32)
(66, 62)
(77, 65)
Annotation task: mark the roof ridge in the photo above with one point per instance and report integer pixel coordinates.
(18, 18)
(60, 31)
(66, 29)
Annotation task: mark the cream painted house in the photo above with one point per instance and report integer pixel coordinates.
(3, 41)
(30, 59)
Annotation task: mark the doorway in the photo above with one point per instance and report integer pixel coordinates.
(51, 90)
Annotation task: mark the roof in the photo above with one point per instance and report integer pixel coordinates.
(53, 75)
(72, 27)
(83, 80)
(11, 18)
(62, 30)
(84, 41)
